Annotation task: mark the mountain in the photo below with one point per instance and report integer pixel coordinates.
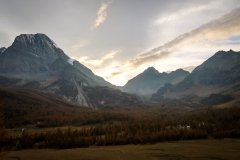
(34, 61)
(189, 68)
(220, 74)
(30, 54)
(149, 81)
(32, 107)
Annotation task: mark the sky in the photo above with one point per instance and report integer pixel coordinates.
(118, 39)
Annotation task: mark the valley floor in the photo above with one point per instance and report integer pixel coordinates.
(181, 150)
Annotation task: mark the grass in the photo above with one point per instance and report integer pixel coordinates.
(182, 150)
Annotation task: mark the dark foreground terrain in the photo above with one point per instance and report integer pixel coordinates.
(182, 150)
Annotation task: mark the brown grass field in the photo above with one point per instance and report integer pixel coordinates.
(226, 149)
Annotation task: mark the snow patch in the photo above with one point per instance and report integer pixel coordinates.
(80, 98)
(31, 39)
(70, 61)
(55, 45)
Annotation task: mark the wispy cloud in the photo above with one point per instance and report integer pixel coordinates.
(101, 14)
(190, 48)
(79, 44)
(104, 65)
(222, 28)
(235, 40)
(101, 62)
(183, 12)
(185, 50)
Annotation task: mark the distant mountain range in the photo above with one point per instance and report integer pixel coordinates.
(220, 74)
(151, 80)
(34, 61)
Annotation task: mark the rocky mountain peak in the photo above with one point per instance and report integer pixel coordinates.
(221, 60)
(179, 72)
(151, 70)
(149, 81)
(38, 45)
(34, 61)
(218, 74)
(221, 54)
(39, 39)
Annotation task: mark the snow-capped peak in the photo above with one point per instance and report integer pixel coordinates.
(38, 39)
(70, 61)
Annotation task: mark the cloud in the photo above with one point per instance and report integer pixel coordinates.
(222, 28)
(79, 44)
(101, 14)
(114, 74)
(234, 40)
(149, 57)
(101, 62)
(183, 12)
(105, 65)
(188, 49)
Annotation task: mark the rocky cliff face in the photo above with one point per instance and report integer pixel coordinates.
(30, 54)
(35, 61)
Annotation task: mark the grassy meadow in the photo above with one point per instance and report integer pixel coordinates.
(225, 149)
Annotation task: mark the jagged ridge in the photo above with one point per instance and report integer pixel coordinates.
(35, 61)
(149, 81)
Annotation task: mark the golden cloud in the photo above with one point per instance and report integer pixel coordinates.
(222, 28)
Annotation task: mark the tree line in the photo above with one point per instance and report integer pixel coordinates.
(118, 128)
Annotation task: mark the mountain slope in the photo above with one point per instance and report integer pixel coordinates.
(218, 74)
(35, 61)
(151, 80)
(2, 49)
(30, 107)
